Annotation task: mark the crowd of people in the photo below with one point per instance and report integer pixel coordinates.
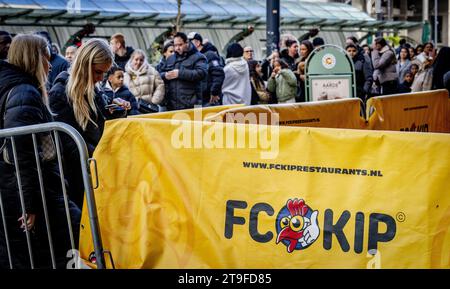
(96, 81)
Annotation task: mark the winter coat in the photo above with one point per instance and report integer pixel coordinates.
(212, 84)
(384, 62)
(121, 61)
(122, 92)
(145, 83)
(59, 64)
(284, 84)
(62, 107)
(423, 80)
(236, 87)
(24, 106)
(161, 64)
(183, 92)
(364, 77)
(63, 110)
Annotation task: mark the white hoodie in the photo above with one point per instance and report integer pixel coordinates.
(236, 87)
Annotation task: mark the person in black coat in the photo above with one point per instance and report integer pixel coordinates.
(59, 64)
(183, 74)
(23, 101)
(363, 79)
(212, 84)
(441, 66)
(122, 53)
(75, 100)
(167, 52)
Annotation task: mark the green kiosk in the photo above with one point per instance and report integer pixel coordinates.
(329, 74)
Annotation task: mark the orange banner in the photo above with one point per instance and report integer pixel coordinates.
(423, 111)
(343, 113)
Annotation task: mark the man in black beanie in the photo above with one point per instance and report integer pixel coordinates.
(59, 64)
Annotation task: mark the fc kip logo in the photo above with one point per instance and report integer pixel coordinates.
(296, 225)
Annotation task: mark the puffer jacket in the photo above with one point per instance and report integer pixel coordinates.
(236, 87)
(364, 77)
(212, 84)
(145, 83)
(184, 91)
(284, 84)
(59, 64)
(24, 106)
(423, 80)
(384, 62)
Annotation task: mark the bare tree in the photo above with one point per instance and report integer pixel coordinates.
(178, 21)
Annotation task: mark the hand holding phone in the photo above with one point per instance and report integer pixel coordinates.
(111, 106)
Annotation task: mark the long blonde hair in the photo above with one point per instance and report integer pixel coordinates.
(27, 52)
(81, 86)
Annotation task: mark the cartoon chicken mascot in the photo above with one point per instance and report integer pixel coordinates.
(299, 229)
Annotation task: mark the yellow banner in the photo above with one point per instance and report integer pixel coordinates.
(181, 194)
(193, 113)
(343, 113)
(423, 111)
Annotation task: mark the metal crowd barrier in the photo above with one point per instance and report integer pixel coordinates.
(55, 128)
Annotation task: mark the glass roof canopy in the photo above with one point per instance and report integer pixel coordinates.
(292, 12)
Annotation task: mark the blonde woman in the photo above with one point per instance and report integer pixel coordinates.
(143, 81)
(23, 101)
(75, 100)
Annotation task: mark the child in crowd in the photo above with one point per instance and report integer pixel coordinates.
(283, 82)
(115, 89)
(405, 86)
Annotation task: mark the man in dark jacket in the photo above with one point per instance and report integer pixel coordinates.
(59, 64)
(212, 84)
(121, 52)
(363, 77)
(183, 74)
